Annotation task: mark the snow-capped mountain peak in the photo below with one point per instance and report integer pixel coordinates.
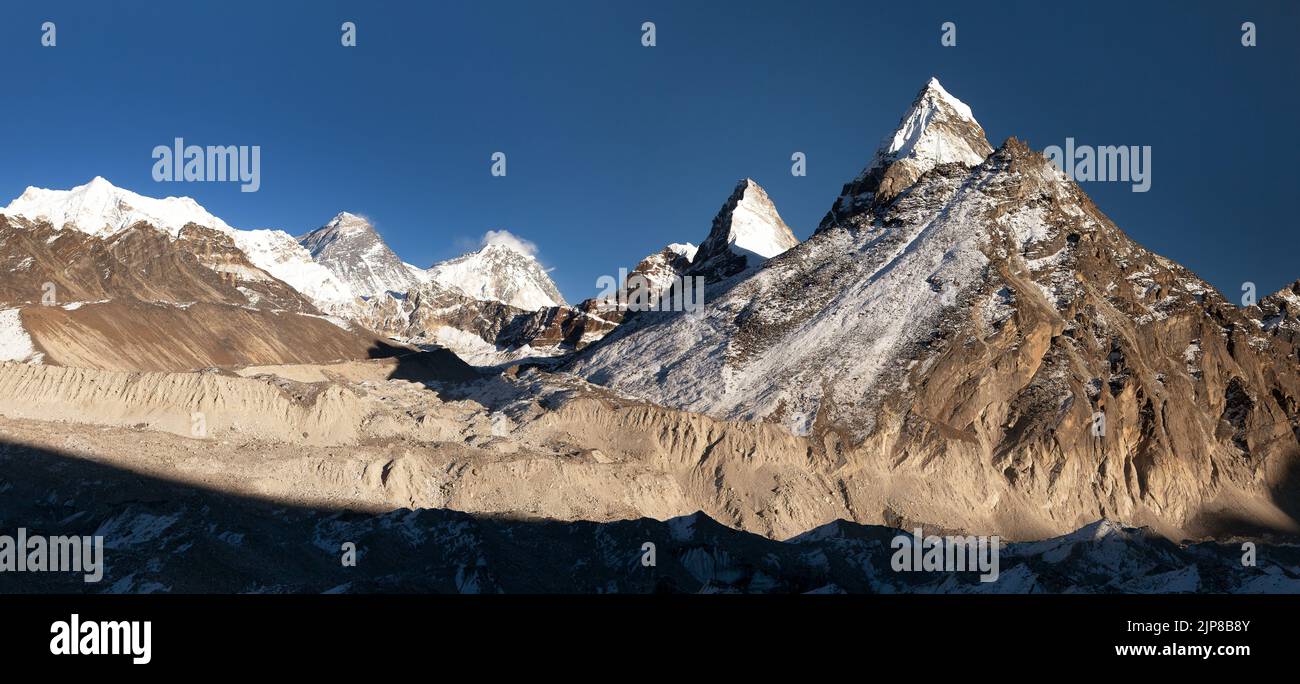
(746, 232)
(354, 252)
(349, 223)
(501, 271)
(660, 270)
(503, 248)
(937, 129)
(103, 209)
(100, 208)
(686, 250)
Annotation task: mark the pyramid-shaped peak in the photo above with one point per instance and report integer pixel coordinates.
(746, 231)
(749, 221)
(938, 129)
(346, 231)
(350, 248)
(934, 89)
(351, 223)
(747, 190)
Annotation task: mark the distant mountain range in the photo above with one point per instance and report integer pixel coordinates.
(966, 339)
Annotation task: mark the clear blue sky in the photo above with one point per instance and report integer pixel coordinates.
(615, 149)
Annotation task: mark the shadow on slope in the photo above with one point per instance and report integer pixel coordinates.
(432, 365)
(1285, 494)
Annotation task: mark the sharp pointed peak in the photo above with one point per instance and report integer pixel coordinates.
(747, 226)
(933, 89)
(348, 221)
(937, 129)
(747, 189)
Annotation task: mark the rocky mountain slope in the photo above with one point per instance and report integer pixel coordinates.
(966, 342)
(1278, 315)
(98, 294)
(114, 248)
(661, 270)
(973, 318)
(101, 209)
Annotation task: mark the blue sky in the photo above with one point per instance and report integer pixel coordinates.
(615, 150)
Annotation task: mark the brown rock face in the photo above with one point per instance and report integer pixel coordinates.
(1099, 379)
(141, 262)
(129, 334)
(141, 300)
(562, 326)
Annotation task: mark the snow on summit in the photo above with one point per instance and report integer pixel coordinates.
(504, 270)
(746, 232)
(332, 265)
(753, 224)
(937, 129)
(925, 134)
(101, 208)
(824, 330)
(353, 251)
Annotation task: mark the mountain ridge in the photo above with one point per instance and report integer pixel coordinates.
(982, 321)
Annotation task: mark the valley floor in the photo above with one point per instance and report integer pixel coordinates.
(251, 479)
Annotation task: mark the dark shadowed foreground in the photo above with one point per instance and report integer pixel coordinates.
(162, 536)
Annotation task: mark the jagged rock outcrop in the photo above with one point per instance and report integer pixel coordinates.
(660, 271)
(1278, 314)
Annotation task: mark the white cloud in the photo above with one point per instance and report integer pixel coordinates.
(505, 237)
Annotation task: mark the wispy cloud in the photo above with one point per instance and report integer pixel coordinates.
(505, 237)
